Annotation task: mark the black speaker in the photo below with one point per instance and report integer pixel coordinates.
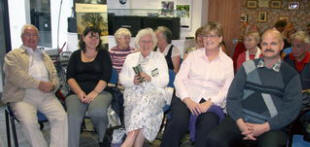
(132, 23)
(72, 25)
(173, 23)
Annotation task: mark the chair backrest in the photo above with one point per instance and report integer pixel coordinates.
(114, 77)
(171, 78)
(41, 117)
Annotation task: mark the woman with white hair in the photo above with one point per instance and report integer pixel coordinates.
(144, 76)
(119, 52)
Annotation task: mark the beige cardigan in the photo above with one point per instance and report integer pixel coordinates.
(16, 65)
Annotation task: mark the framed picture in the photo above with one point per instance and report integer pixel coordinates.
(262, 16)
(263, 3)
(251, 4)
(276, 4)
(293, 5)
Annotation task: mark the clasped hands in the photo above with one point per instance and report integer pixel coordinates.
(141, 77)
(197, 108)
(87, 98)
(46, 86)
(251, 130)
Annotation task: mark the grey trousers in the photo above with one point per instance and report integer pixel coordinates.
(97, 111)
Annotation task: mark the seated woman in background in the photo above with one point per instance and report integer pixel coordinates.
(119, 52)
(171, 52)
(88, 73)
(240, 48)
(144, 76)
(198, 40)
(250, 41)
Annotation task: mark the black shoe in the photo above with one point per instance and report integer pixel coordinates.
(104, 144)
(307, 137)
(106, 141)
(307, 131)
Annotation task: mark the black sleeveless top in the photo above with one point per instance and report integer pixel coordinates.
(168, 57)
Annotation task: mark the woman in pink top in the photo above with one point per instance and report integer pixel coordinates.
(201, 86)
(250, 41)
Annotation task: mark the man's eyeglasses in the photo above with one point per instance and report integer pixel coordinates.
(31, 35)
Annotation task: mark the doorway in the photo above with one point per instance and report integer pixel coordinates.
(227, 13)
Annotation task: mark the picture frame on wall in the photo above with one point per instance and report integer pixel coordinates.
(263, 3)
(251, 4)
(293, 5)
(262, 16)
(276, 4)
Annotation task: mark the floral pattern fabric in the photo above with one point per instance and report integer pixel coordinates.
(144, 109)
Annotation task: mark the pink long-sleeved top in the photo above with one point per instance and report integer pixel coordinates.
(200, 78)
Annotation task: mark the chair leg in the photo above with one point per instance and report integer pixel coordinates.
(14, 131)
(8, 133)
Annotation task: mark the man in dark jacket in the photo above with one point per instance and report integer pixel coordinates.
(264, 97)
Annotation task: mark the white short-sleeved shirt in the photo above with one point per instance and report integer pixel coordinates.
(175, 51)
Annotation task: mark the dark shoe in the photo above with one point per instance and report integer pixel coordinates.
(104, 144)
(106, 141)
(307, 137)
(307, 131)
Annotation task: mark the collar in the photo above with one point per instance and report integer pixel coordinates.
(117, 48)
(275, 67)
(30, 51)
(166, 48)
(204, 56)
(305, 60)
(257, 54)
(145, 59)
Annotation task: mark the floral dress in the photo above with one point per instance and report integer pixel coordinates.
(144, 109)
(143, 103)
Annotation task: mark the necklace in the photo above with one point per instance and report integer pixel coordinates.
(89, 57)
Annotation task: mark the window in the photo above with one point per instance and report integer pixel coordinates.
(40, 15)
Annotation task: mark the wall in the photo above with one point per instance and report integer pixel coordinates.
(156, 4)
(300, 18)
(18, 19)
(22, 16)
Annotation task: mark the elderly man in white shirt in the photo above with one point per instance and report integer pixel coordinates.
(201, 87)
(30, 83)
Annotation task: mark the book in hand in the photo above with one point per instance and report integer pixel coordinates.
(138, 70)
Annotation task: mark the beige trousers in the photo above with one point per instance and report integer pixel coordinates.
(26, 112)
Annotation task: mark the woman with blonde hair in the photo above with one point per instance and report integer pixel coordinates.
(119, 52)
(250, 41)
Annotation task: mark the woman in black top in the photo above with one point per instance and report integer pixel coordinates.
(171, 52)
(88, 73)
